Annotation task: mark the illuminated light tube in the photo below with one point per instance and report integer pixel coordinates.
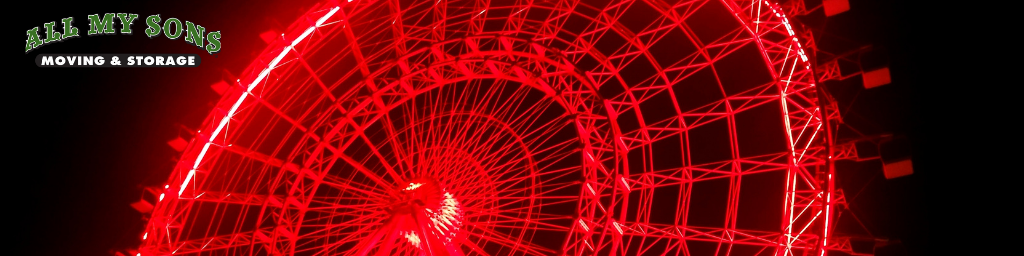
(263, 74)
(617, 227)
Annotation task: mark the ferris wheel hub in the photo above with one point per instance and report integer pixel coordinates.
(418, 195)
(426, 214)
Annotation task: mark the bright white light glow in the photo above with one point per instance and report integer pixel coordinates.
(583, 225)
(241, 98)
(413, 239)
(413, 186)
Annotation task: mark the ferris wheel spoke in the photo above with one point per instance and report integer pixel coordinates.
(516, 214)
(367, 172)
(344, 220)
(362, 229)
(508, 124)
(236, 198)
(212, 243)
(530, 150)
(477, 113)
(401, 148)
(535, 132)
(516, 167)
(524, 213)
(547, 131)
(506, 108)
(510, 166)
(463, 136)
(537, 190)
(351, 239)
(546, 224)
(531, 175)
(513, 243)
(526, 203)
(475, 248)
(345, 215)
(375, 149)
(348, 208)
(351, 185)
(411, 142)
(509, 186)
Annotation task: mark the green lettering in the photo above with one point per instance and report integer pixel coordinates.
(177, 28)
(214, 38)
(33, 39)
(104, 26)
(195, 34)
(126, 22)
(69, 30)
(51, 36)
(153, 21)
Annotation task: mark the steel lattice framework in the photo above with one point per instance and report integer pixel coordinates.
(513, 128)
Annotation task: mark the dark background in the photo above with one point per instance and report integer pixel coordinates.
(86, 141)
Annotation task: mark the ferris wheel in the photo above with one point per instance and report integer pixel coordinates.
(492, 127)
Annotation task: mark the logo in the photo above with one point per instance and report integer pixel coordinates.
(172, 28)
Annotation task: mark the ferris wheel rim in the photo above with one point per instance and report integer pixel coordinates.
(289, 46)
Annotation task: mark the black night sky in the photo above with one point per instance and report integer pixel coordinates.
(87, 140)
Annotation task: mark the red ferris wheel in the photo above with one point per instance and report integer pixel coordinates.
(492, 127)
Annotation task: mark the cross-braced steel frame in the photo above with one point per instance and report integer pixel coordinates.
(513, 128)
